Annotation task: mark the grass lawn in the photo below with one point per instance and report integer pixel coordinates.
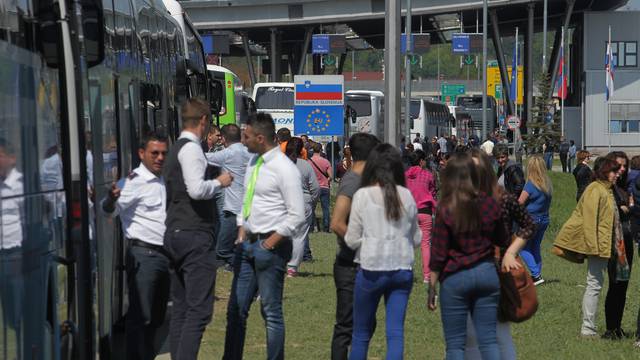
(552, 334)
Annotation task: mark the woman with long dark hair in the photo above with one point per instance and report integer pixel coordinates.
(383, 230)
(310, 192)
(468, 225)
(617, 292)
(513, 213)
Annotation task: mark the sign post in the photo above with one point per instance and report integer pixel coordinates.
(319, 105)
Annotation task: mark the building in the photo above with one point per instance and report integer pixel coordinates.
(615, 124)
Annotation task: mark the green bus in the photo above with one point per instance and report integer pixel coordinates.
(231, 94)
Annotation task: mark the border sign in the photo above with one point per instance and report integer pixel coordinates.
(319, 105)
(513, 122)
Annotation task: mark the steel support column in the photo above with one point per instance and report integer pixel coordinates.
(274, 57)
(247, 54)
(504, 76)
(528, 64)
(555, 59)
(392, 71)
(305, 47)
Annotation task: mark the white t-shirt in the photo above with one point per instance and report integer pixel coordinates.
(487, 147)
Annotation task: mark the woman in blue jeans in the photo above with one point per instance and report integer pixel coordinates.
(467, 226)
(536, 195)
(383, 230)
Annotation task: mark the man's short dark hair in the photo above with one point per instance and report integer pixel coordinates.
(416, 156)
(361, 145)
(231, 133)
(152, 136)
(283, 135)
(499, 150)
(192, 111)
(263, 125)
(317, 148)
(213, 129)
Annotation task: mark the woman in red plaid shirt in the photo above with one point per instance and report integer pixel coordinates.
(468, 224)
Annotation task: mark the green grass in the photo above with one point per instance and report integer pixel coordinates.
(553, 333)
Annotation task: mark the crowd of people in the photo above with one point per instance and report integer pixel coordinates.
(244, 200)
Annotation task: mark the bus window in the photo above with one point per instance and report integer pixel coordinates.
(274, 97)
(361, 104)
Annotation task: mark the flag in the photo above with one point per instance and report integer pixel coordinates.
(561, 83)
(513, 88)
(310, 91)
(608, 68)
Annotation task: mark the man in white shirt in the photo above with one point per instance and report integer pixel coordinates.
(140, 201)
(233, 159)
(189, 237)
(272, 211)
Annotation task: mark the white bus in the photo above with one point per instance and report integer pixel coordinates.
(429, 118)
(369, 108)
(276, 99)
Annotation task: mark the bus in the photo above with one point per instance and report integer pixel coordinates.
(231, 94)
(429, 118)
(276, 99)
(77, 98)
(369, 112)
(472, 105)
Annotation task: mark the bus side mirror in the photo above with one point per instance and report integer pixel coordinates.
(215, 99)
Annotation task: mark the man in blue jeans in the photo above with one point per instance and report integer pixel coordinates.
(324, 173)
(233, 159)
(272, 210)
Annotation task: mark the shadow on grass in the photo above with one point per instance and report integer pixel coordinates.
(305, 274)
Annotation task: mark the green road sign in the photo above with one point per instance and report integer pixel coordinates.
(414, 60)
(469, 60)
(450, 91)
(498, 91)
(328, 60)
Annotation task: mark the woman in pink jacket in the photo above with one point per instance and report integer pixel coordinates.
(422, 185)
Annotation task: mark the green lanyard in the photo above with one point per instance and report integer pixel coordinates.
(251, 187)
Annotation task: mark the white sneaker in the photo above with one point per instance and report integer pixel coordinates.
(538, 281)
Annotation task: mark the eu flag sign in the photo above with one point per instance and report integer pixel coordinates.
(319, 105)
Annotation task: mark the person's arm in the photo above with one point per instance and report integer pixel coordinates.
(217, 158)
(291, 190)
(193, 169)
(441, 235)
(314, 186)
(415, 229)
(120, 198)
(526, 228)
(433, 189)
(329, 171)
(341, 210)
(524, 195)
(353, 237)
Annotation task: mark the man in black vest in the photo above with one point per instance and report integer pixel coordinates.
(190, 238)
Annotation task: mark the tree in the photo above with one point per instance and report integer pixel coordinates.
(539, 129)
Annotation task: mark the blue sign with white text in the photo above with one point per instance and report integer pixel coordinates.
(320, 44)
(460, 43)
(319, 120)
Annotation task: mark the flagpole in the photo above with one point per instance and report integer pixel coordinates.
(609, 97)
(562, 86)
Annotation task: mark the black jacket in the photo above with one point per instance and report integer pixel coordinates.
(583, 175)
(513, 178)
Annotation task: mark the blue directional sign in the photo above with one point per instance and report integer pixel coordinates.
(460, 43)
(320, 44)
(319, 105)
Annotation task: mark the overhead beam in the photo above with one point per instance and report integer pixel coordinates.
(504, 76)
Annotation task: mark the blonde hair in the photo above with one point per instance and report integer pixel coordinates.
(537, 174)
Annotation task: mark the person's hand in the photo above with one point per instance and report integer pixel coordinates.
(225, 179)
(625, 209)
(241, 236)
(432, 299)
(509, 262)
(114, 193)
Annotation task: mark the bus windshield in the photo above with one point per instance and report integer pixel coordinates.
(274, 97)
(360, 103)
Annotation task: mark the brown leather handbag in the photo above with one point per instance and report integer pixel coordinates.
(518, 297)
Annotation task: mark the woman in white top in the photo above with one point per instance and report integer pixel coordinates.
(383, 230)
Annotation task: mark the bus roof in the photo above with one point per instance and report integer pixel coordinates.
(266, 84)
(365, 92)
(220, 69)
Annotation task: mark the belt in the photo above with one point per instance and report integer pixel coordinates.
(255, 237)
(146, 245)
